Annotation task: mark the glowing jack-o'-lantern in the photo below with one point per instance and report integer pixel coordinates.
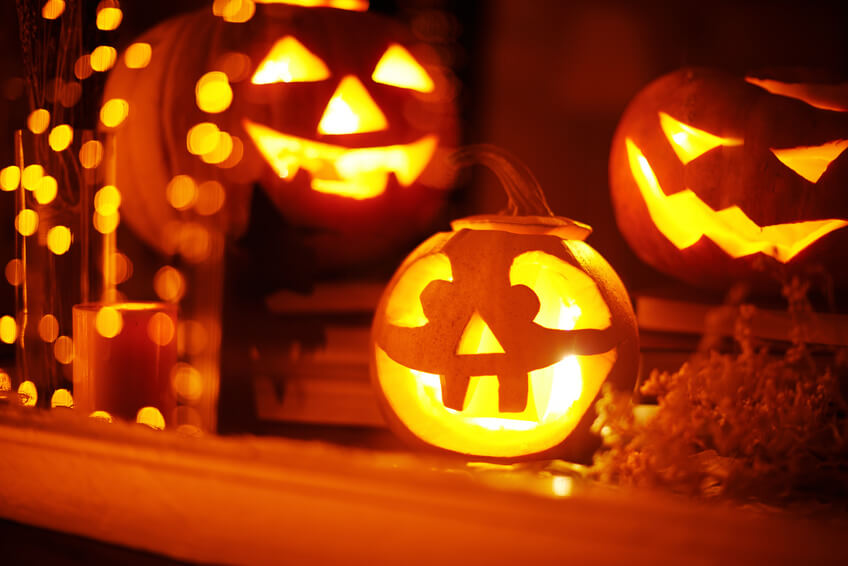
(494, 339)
(330, 112)
(710, 172)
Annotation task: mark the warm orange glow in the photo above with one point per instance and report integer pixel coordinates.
(234, 11)
(181, 192)
(161, 329)
(101, 415)
(825, 96)
(137, 55)
(478, 338)
(688, 142)
(82, 67)
(60, 137)
(5, 381)
(290, 62)
(62, 398)
(222, 150)
(151, 417)
(91, 154)
(235, 65)
(10, 178)
(187, 382)
(202, 138)
(169, 284)
(14, 272)
(398, 68)
(114, 112)
(48, 328)
(558, 395)
(353, 5)
(236, 154)
(8, 329)
(68, 93)
(107, 200)
(190, 423)
(26, 222)
(103, 58)
(52, 9)
(63, 350)
(351, 110)
(210, 198)
(32, 176)
(683, 219)
(109, 322)
(109, 18)
(192, 337)
(811, 162)
(193, 242)
(354, 173)
(238, 11)
(28, 393)
(213, 93)
(46, 190)
(38, 120)
(59, 239)
(106, 224)
(123, 268)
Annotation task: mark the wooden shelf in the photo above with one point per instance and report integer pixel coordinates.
(263, 501)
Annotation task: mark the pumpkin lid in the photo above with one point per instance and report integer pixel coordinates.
(560, 226)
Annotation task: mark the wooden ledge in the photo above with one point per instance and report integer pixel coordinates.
(264, 501)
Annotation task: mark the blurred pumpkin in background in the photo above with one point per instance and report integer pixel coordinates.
(495, 339)
(330, 112)
(712, 172)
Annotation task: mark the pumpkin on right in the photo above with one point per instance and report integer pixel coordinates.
(716, 176)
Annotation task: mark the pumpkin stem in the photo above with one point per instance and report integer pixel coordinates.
(523, 192)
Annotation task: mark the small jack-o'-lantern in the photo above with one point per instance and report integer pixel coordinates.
(494, 339)
(711, 173)
(328, 111)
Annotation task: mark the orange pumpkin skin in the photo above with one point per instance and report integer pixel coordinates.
(152, 141)
(562, 326)
(741, 175)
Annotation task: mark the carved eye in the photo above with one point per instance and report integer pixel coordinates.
(290, 62)
(398, 68)
(811, 162)
(688, 142)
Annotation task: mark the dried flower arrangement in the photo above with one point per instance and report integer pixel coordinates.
(749, 427)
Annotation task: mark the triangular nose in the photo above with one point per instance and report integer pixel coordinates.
(351, 110)
(478, 338)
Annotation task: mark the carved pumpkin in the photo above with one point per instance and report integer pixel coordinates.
(337, 120)
(711, 173)
(494, 339)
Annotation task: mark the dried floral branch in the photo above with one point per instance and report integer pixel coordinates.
(748, 426)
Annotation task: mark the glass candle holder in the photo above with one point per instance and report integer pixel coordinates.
(125, 354)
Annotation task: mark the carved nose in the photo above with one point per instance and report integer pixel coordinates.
(351, 110)
(478, 338)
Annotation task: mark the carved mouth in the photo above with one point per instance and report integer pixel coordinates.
(551, 391)
(683, 218)
(357, 173)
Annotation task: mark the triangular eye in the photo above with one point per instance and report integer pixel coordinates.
(688, 142)
(290, 62)
(398, 68)
(811, 162)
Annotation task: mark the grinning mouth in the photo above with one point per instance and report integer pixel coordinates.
(683, 218)
(357, 173)
(552, 392)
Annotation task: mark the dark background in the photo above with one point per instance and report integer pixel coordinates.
(545, 79)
